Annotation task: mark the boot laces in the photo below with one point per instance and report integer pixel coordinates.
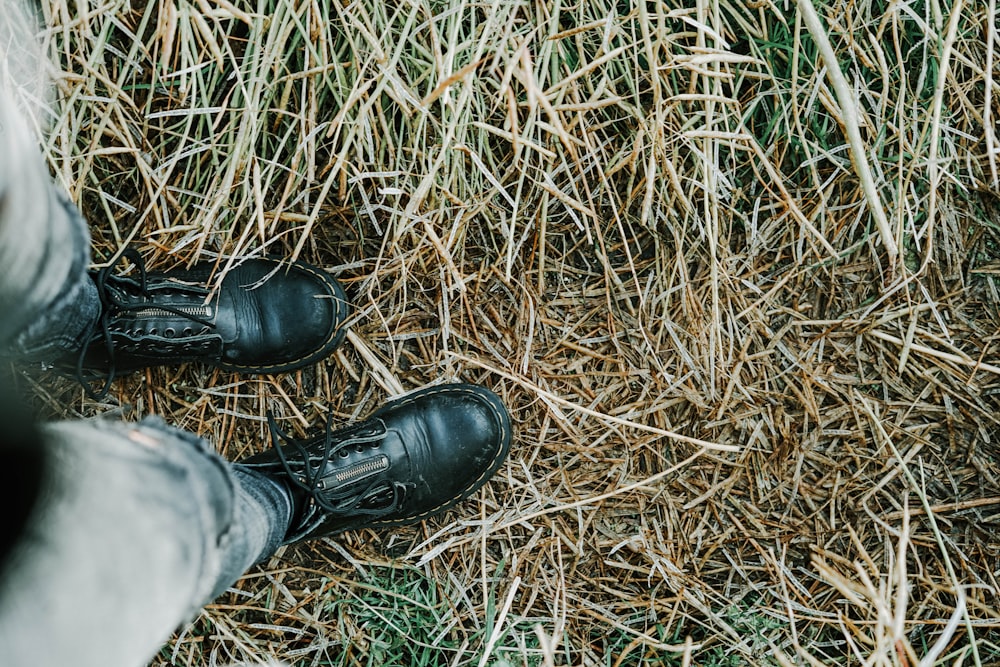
(310, 478)
(108, 288)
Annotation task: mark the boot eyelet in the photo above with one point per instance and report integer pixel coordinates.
(188, 331)
(344, 454)
(377, 444)
(139, 332)
(169, 332)
(152, 331)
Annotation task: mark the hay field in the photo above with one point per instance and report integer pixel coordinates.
(733, 265)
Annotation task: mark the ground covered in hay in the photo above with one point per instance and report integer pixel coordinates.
(732, 264)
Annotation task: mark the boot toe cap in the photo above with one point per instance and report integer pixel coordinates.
(466, 435)
(293, 318)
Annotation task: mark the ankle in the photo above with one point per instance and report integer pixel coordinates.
(271, 504)
(64, 327)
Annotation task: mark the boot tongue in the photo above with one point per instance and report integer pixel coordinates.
(172, 310)
(177, 307)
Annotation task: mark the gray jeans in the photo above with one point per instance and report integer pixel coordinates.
(47, 300)
(138, 525)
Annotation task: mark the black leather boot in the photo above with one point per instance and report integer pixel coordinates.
(267, 316)
(414, 458)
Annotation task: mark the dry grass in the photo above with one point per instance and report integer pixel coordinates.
(741, 300)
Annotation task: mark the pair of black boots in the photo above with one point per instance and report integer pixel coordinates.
(415, 457)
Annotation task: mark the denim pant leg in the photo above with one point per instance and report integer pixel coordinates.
(47, 298)
(138, 526)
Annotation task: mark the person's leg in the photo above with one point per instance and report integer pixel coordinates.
(138, 526)
(48, 301)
